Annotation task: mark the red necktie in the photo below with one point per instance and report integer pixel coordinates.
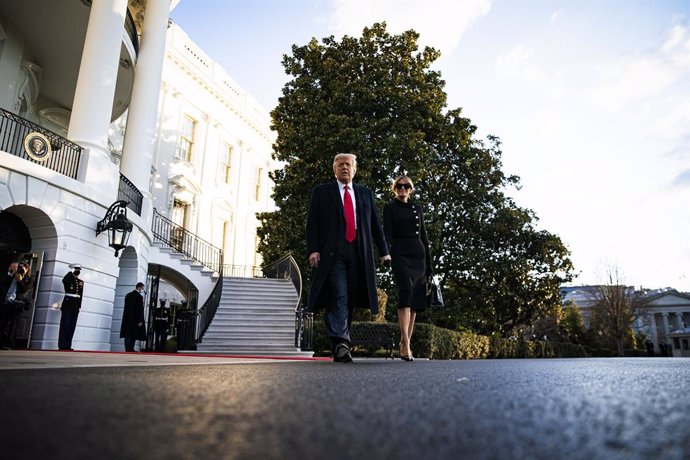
(349, 216)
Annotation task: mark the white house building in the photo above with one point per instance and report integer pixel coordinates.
(121, 106)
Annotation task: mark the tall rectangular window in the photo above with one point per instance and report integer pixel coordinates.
(179, 212)
(225, 163)
(259, 174)
(178, 216)
(257, 256)
(186, 141)
(226, 237)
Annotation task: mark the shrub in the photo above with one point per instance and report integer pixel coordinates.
(429, 341)
(501, 348)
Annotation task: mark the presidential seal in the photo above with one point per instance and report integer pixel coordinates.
(37, 146)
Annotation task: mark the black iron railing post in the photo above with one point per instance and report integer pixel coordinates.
(206, 313)
(286, 267)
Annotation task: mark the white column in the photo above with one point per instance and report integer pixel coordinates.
(652, 329)
(664, 318)
(93, 100)
(242, 205)
(209, 172)
(679, 320)
(137, 152)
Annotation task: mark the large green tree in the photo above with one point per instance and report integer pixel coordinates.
(377, 97)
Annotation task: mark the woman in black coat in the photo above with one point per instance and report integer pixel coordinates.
(403, 224)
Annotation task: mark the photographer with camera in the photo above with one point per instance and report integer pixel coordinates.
(15, 290)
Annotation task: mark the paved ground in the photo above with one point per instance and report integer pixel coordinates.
(35, 359)
(58, 405)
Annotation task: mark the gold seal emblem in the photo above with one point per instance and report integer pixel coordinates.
(37, 146)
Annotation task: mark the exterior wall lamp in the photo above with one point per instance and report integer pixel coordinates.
(116, 224)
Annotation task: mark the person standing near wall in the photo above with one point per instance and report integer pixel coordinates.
(161, 327)
(74, 289)
(15, 290)
(133, 327)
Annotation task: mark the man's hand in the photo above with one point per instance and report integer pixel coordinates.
(314, 259)
(385, 259)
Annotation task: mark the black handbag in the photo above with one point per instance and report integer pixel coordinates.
(434, 297)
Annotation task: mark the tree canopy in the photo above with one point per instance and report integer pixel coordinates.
(615, 307)
(376, 96)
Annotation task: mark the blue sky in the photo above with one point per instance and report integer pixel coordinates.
(591, 99)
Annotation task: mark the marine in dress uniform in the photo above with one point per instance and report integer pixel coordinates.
(161, 326)
(74, 290)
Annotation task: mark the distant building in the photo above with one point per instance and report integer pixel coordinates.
(669, 316)
(668, 312)
(122, 105)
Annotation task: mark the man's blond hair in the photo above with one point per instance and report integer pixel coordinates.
(339, 156)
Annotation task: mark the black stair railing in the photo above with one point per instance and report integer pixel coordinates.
(131, 29)
(27, 140)
(286, 267)
(207, 311)
(185, 242)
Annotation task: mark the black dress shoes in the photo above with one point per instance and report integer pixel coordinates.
(342, 354)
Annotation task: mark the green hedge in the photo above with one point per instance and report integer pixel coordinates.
(510, 348)
(429, 341)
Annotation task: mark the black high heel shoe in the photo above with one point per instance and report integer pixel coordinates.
(407, 358)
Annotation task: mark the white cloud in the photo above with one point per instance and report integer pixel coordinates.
(518, 63)
(633, 79)
(440, 23)
(555, 15)
(629, 79)
(678, 35)
(669, 119)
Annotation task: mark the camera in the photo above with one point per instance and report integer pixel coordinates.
(20, 270)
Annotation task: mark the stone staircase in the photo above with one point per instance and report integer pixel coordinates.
(204, 279)
(255, 317)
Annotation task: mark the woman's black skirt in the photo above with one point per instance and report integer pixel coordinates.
(409, 269)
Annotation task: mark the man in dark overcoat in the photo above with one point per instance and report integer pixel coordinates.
(343, 225)
(133, 327)
(74, 290)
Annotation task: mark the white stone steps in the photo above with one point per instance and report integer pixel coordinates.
(256, 316)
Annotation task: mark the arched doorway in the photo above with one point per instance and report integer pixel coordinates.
(126, 281)
(171, 289)
(27, 234)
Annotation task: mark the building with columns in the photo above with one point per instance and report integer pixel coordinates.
(666, 321)
(121, 106)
